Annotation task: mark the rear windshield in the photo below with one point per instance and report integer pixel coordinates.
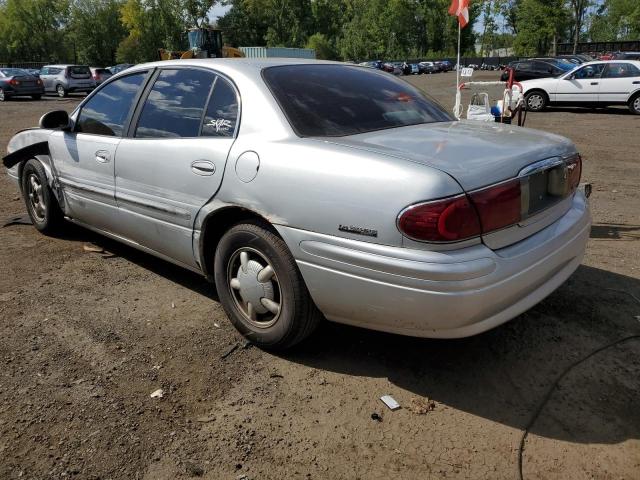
(339, 100)
(79, 72)
(13, 72)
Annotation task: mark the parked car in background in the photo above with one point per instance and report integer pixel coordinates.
(606, 56)
(33, 71)
(16, 82)
(614, 82)
(120, 67)
(627, 56)
(571, 59)
(410, 69)
(375, 64)
(537, 68)
(100, 74)
(428, 67)
(391, 68)
(444, 65)
(458, 228)
(64, 79)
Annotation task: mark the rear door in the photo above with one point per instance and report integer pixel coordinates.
(84, 157)
(618, 80)
(582, 86)
(173, 161)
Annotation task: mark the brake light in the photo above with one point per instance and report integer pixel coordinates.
(448, 220)
(498, 206)
(14, 82)
(574, 172)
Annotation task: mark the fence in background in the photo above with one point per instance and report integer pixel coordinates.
(35, 65)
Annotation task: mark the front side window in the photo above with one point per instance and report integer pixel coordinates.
(222, 111)
(106, 112)
(590, 71)
(175, 104)
(621, 70)
(337, 100)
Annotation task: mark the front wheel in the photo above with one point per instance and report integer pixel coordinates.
(41, 204)
(535, 101)
(3, 96)
(634, 105)
(261, 289)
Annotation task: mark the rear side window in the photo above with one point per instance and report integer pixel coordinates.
(222, 112)
(621, 70)
(79, 72)
(337, 100)
(106, 112)
(175, 104)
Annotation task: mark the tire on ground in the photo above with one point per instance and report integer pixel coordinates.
(535, 101)
(297, 316)
(42, 205)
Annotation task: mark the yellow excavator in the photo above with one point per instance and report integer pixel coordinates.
(203, 43)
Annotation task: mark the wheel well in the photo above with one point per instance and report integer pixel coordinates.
(217, 224)
(633, 96)
(537, 90)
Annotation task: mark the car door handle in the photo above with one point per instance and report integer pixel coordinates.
(203, 167)
(594, 83)
(102, 156)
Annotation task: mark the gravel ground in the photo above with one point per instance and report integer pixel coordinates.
(86, 337)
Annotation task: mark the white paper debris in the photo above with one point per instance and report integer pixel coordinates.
(158, 393)
(390, 402)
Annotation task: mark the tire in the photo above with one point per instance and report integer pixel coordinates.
(535, 101)
(36, 97)
(41, 204)
(634, 104)
(61, 91)
(3, 96)
(284, 313)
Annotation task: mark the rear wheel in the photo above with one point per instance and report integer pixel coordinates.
(3, 96)
(634, 104)
(42, 205)
(535, 101)
(261, 289)
(61, 91)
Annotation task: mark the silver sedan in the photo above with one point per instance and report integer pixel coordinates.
(309, 190)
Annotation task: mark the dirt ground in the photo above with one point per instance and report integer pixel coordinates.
(86, 337)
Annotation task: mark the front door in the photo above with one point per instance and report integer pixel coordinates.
(84, 157)
(582, 86)
(173, 161)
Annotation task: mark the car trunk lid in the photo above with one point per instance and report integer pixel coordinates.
(478, 155)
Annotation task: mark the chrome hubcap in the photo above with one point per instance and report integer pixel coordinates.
(254, 286)
(1, 95)
(636, 104)
(36, 199)
(60, 90)
(535, 101)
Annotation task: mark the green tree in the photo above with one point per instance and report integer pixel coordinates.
(34, 30)
(323, 47)
(96, 30)
(541, 24)
(616, 20)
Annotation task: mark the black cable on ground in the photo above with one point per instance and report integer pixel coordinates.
(547, 396)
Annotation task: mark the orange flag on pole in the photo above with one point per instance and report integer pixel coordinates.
(460, 8)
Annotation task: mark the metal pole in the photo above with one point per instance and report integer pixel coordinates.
(458, 69)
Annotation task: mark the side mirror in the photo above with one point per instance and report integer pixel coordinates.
(58, 119)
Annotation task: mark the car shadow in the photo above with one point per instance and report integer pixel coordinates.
(500, 375)
(622, 110)
(613, 231)
(503, 374)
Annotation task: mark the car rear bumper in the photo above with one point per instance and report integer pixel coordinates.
(445, 294)
(16, 92)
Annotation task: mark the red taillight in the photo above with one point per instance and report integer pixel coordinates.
(498, 206)
(574, 172)
(39, 82)
(14, 82)
(448, 220)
